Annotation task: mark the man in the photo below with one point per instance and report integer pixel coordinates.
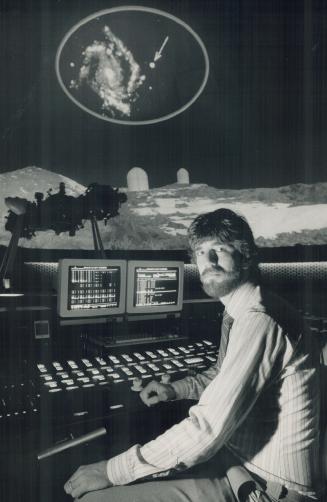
(254, 433)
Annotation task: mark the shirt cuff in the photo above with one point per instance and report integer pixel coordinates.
(119, 468)
(129, 466)
(181, 388)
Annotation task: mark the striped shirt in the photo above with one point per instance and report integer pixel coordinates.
(263, 403)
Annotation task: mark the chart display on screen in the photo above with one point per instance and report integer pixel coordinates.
(91, 288)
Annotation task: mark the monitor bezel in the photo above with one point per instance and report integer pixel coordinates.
(62, 292)
(155, 309)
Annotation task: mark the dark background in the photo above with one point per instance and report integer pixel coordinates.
(261, 120)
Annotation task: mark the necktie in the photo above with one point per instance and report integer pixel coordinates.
(226, 325)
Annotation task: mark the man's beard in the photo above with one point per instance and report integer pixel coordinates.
(218, 285)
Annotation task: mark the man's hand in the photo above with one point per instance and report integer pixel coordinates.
(88, 478)
(155, 392)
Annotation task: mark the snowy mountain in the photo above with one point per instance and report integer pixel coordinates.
(158, 218)
(294, 214)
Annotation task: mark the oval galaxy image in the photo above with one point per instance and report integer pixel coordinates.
(132, 65)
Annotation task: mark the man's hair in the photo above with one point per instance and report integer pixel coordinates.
(228, 227)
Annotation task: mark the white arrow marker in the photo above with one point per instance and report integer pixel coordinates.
(158, 53)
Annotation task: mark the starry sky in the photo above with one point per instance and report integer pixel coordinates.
(261, 120)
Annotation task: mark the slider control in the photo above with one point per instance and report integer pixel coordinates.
(137, 384)
(165, 378)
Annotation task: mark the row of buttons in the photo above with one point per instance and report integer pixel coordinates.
(70, 375)
(136, 357)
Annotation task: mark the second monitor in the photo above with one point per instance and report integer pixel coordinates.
(154, 287)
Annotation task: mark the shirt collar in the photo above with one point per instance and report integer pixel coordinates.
(241, 298)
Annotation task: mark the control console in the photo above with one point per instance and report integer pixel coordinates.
(97, 386)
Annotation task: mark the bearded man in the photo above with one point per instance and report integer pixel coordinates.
(253, 434)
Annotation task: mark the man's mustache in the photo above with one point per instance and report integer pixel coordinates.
(209, 270)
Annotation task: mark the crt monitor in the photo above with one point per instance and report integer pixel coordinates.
(154, 286)
(91, 288)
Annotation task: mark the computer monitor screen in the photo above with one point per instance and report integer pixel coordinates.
(91, 287)
(154, 286)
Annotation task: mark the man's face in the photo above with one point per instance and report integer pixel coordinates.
(219, 266)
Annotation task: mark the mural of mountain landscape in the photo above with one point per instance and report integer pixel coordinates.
(158, 218)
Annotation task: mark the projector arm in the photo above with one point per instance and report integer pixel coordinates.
(10, 253)
(97, 241)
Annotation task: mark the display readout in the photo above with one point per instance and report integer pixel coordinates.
(93, 287)
(156, 286)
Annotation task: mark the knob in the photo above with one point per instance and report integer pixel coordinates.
(137, 384)
(165, 378)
